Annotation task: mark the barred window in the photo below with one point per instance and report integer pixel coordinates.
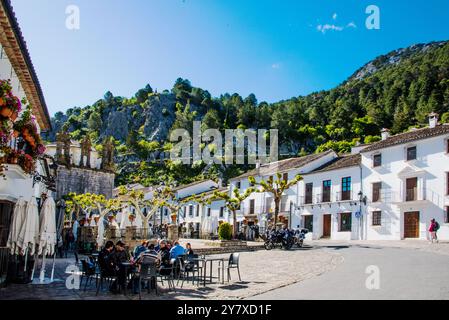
(377, 218)
(345, 222)
(377, 160)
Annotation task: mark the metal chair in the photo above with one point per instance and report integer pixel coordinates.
(148, 273)
(169, 274)
(87, 272)
(105, 276)
(233, 263)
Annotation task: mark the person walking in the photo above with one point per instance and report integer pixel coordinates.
(433, 229)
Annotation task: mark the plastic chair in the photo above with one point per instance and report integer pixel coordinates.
(233, 263)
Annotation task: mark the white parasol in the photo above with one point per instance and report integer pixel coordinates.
(16, 224)
(100, 235)
(29, 232)
(47, 227)
(48, 238)
(214, 225)
(76, 225)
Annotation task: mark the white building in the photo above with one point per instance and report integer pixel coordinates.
(75, 154)
(16, 65)
(260, 206)
(329, 203)
(406, 179)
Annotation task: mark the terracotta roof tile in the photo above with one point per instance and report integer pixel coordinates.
(341, 162)
(414, 135)
(283, 165)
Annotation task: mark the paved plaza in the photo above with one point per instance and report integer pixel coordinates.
(321, 270)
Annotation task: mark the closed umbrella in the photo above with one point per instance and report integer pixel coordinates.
(214, 225)
(16, 224)
(100, 233)
(47, 227)
(47, 235)
(29, 233)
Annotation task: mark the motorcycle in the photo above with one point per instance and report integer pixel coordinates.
(299, 237)
(282, 239)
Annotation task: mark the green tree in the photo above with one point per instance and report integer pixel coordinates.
(276, 188)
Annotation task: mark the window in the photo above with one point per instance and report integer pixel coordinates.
(208, 212)
(285, 177)
(197, 210)
(308, 223)
(251, 206)
(238, 184)
(411, 153)
(376, 191)
(411, 188)
(345, 221)
(377, 218)
(346, 188)
(309, 193)
(326, 191)
(446, 215)
(221, 212)
(190, 211)
(447, 145)
(377, 160)
(165, 212)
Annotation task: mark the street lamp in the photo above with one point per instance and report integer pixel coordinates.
(362, 200)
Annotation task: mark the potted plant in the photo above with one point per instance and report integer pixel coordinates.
(173, 217)
(10, 105)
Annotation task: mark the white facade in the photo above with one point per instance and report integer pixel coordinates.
(328, 210)
(16, 183)
(262, 203)
(429, 199)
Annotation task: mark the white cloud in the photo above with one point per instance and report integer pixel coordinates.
(276, 65)
(328, 27)
(334, 16)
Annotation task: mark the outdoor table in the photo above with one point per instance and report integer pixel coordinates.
(126, 266)
(211, 261)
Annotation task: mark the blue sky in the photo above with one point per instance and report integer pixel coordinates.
(274, 49)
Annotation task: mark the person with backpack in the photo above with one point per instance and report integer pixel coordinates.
(434, 226)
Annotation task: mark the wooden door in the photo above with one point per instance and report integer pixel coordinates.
(326, 226)
(411, 225)
(411, 186)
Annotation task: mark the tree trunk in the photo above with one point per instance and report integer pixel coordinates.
(234, 226)
(276, 211)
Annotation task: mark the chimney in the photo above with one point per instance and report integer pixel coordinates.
(385, 133)
(433, 120)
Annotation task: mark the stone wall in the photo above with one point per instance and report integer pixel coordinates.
(82, 180)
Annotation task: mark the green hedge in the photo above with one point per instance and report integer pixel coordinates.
(225, 231)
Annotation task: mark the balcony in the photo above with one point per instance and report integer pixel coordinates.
(344, 196)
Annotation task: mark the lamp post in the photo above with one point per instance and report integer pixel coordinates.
(362, 200)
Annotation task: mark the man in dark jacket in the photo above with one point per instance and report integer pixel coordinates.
(106, 259)
(164, 254)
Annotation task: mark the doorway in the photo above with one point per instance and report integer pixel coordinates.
(326, 225)
(411, 224)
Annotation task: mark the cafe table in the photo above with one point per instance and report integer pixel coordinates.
(211, 261)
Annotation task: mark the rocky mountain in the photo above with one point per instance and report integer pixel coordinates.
(397, 91)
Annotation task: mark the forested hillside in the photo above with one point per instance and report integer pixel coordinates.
(396, 91)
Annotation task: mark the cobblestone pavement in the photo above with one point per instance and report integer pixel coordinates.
(261, 272)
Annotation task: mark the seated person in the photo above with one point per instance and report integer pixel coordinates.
(177, 251)
(106, 259)
(121, 255)
(164, 257)
(139, 249)
(189, 250)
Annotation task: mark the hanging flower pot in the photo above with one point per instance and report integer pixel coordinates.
(2, 102)
(6, 111)
(131, 218)
(173, 218)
